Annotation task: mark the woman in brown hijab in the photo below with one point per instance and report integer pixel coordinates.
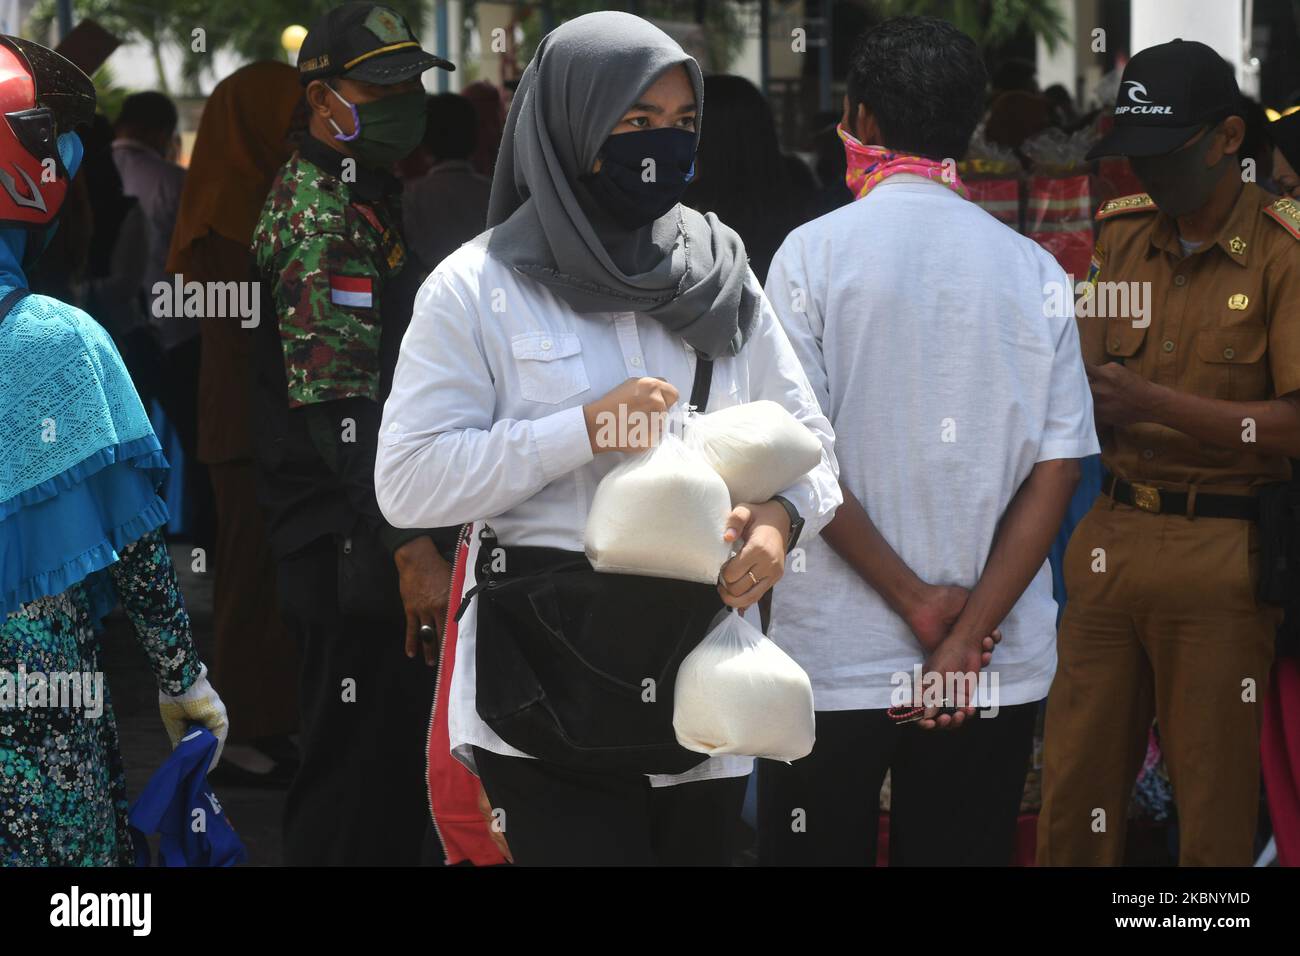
(244, 137)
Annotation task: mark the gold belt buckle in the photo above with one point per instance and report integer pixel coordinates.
(1146, 497)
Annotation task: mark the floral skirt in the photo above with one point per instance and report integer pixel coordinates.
(62, 788)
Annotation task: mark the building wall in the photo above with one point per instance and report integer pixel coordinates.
(1216, 23)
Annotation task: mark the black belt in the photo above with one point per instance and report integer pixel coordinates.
(1159, 501)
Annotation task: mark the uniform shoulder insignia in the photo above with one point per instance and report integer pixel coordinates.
(1287, 212)
(1138, 202)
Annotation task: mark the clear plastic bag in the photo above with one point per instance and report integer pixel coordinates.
(661, 513)
(758, 448)
(1055, 152)
(738, 693)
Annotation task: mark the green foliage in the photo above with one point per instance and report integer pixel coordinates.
(249, 28)
(108, 95)
(724, 27)
(990, 22)
(117, 18)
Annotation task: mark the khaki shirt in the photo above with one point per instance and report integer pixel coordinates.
(1224, 323)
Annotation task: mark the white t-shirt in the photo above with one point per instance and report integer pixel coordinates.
(921, 322)
(485, 422)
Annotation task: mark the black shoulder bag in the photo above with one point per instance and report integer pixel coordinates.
(578, 667)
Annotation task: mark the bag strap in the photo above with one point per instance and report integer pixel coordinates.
(486, 577)
(11, 299)
(703, 380)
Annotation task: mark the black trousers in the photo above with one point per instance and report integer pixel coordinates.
(954, 795)
(360, 797)
(554, 816)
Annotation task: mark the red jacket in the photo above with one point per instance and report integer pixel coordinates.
(453, 790)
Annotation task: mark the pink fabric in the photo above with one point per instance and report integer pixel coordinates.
(868, 166)
(1280, 758)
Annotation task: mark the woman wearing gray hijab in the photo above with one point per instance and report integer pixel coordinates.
(593, 292)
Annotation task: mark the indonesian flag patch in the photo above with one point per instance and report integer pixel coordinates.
(354, 291)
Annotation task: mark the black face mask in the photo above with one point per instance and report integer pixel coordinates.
(1180, 182)
(643, 174)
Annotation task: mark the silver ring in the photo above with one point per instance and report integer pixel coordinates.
(428, 634)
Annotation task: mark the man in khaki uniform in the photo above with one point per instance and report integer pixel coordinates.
(1197, 398)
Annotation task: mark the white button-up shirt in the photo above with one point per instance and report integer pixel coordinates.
(485, 423)
(921, 322)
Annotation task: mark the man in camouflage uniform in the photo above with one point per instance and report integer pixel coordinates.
(334, 277)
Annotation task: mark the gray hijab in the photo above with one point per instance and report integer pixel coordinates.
(686, 270)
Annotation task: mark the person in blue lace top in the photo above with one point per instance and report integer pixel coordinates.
(79, 513)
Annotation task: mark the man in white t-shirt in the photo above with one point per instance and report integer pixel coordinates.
(943, 349)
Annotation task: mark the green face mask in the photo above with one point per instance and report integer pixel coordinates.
(384, 131)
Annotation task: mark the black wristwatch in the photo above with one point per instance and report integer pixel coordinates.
(796, 522)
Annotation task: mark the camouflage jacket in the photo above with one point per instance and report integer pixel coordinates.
(327, 244)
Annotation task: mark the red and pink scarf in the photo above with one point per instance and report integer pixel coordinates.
(868, 166)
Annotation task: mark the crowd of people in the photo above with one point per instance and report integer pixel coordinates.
(451, 294)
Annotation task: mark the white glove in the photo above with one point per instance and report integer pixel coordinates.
(199, 705)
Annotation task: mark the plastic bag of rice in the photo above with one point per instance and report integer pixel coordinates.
(660, 513)
(758, 448)
(738, 693)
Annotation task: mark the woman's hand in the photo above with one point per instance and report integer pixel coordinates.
(199, 704)
(759, 565)
(631, 416)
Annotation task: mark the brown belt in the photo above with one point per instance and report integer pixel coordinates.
(1162, 502)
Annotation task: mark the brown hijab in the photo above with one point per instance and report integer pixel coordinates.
(243, 140)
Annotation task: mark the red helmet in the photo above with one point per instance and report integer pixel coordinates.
(42, 95)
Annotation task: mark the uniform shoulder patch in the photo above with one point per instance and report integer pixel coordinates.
(1138, 202)
(1287, 212)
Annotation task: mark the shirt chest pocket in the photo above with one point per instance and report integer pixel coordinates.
(550, 366)
(1232, 362)
(1124, 341)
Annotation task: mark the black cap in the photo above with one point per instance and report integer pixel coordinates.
(1167, 94)
(364, 41)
